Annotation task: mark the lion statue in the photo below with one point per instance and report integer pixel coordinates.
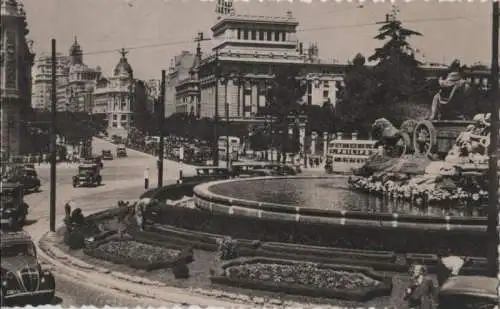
(396, 142)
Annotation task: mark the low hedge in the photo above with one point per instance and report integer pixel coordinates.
(383, 288)
(383, 256)
(133, 260)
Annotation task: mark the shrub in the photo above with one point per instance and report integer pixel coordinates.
(75, 240)
(180, 270)
(227, 248)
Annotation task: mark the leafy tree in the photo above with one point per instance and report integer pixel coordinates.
(284, 93)
(397, 70)
(356, 107)
(142, 116)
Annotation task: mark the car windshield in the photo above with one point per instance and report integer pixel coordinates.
(12, 250)
(30, 173)
(86, 170)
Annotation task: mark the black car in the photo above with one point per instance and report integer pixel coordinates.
(22, 277)
(30, 181)
(107, 155)
(469, 292)
(13, 209)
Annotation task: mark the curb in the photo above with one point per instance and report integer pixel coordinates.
(152, 290)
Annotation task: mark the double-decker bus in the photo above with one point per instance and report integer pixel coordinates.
(345, 155)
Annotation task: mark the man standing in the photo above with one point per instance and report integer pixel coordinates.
(146, 178)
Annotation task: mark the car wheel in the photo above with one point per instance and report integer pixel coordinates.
(37, 189)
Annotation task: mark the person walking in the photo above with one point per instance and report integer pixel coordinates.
(421, 292)
(146, 178)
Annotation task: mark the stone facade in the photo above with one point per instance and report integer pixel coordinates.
(42, 83)
(16, 60)
(113, 96)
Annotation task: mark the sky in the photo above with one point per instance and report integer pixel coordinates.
(154, 31)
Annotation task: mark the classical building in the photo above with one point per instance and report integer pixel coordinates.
(248, 50)
(80, 83)
(178, 71)
(113, 96)
(42, 81)
(75, 80)
(16, 60)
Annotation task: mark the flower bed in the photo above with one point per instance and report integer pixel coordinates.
(311, 279)
(137, 254)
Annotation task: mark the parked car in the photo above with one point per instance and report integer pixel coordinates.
(121, 151)
(22, 276)
(88, 175)
(13, 209)
(471, 292)
(107, 155)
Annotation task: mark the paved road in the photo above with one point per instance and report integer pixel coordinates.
(122, 180)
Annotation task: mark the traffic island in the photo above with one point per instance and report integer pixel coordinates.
(139, 255)
(304, 278)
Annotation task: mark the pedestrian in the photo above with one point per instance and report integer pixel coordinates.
(146, 178)
(421, 292)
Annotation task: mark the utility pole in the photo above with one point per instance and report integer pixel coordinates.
(492, 228)
(215, 147)
(161, 128)
(53, 150)
(228, 160)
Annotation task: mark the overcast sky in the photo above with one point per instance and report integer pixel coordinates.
(450, 30)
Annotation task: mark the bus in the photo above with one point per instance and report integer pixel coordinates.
(234, 147)
(347, 154)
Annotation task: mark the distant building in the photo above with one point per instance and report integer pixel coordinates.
(113, 96)
(153, 93)
(42, 82)
(15, 83)
(74, 80)
(178, 71)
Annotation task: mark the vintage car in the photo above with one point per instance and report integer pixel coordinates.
(121, 151)
(13, 209)
(107, 155)
(88, 175)
(23, 278)
(97, 160)
(471, 292)
(29, 179)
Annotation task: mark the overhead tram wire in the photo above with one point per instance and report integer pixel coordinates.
(157, 45)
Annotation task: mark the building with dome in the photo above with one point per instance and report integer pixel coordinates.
(113, 96)
(75, 81)
(79, 84)
(16, 58)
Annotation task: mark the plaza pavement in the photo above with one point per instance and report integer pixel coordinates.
(78, 283)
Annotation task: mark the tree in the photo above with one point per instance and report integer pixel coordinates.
(142, 116)
(356, 107)
(397, 70)
(284, 92)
